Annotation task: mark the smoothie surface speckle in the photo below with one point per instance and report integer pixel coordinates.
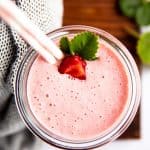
(79, 109)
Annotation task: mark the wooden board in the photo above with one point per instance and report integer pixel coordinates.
(104, 14)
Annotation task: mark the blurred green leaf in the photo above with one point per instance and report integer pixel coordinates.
(143, 48)
(129, 7)
(85, 45)
(143, 15)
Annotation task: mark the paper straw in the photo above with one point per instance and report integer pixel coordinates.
(30, 32)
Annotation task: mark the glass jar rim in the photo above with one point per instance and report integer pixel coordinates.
(118, 129)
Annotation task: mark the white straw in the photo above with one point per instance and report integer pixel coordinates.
(31, 33)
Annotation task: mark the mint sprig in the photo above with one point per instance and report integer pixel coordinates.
(64, 45)
(84, 44)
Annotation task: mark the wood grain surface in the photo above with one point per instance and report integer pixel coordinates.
(105, 14)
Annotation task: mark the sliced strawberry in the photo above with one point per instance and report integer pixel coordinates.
(74, 66)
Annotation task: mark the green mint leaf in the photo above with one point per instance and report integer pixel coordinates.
(85, 45)
(143, 15)
(129, 7)
(143, 48)
(64, 45)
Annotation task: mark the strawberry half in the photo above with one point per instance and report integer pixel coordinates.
(73, 65)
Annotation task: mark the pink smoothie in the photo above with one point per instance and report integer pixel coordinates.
(79, 109)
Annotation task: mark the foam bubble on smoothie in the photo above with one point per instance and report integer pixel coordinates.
(79, 109)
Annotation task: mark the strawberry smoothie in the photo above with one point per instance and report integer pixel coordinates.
(79, 109)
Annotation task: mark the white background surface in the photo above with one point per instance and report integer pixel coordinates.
(144, 142)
